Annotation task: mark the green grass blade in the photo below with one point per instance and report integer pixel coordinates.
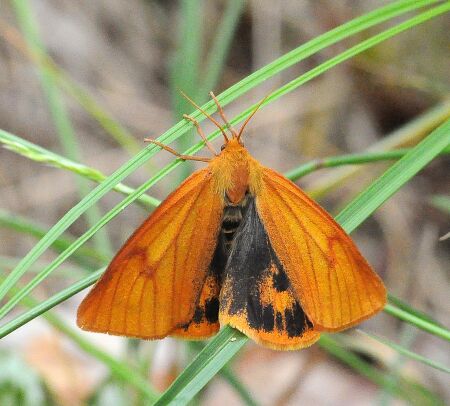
(411, 310)
(408, 353)
(181, 127)
(441, 202)
(359, 48)
(84, 256)
(229, 376)
(119, 369)
(58, 112)
(396, 176)
(186, 63)
(185, 68)
(350, 218)
(226, 343)
(68, 271)
(350, 159)
(409, 134)
(39, 154)
(323, 41)
(237, 385)
(48, 304)
(419, 322)
(219, 49)
(413, 393)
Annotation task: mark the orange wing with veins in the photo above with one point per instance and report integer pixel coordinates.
(336, 286)
(153, 285)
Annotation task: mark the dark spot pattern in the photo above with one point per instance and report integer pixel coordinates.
(212, 310)
(251, 262)
(198, 315)
(280, 281)
(279, 321)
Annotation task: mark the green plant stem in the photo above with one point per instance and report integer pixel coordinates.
(219, 49)
(393, 369)
(185, 67)
(287, 60)
(48, 304)
(409, 134)
(411, 392)
(42, 155)
(350, 159)
(119, 133)
(85, 256)
(418, 322)
(395, 177)
(407, 353)
(323, 41)
(196, 371)
(237, 385)
(441, 202)
(397, 302)
(228, 375)
(58, 111)
(68, 272)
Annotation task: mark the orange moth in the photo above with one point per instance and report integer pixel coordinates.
(236, 243)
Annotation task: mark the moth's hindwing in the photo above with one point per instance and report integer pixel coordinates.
(256, 295)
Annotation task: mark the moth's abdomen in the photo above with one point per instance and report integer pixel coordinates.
(232, 218)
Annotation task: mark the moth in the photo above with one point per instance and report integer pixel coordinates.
(236, 243)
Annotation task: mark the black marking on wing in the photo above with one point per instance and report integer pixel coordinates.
(254, 279)
(207, 311)
(212, 310)
(207, 308)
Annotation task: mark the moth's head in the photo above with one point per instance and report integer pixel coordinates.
(233, 139)
(232, 144)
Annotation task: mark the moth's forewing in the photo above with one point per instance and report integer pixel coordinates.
(153, 284)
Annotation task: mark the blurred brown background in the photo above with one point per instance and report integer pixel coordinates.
(120, 52)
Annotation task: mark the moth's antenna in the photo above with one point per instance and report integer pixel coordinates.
(251, 115)
(222, 114)
(177, 154)
(201, 133)
(206, 114)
